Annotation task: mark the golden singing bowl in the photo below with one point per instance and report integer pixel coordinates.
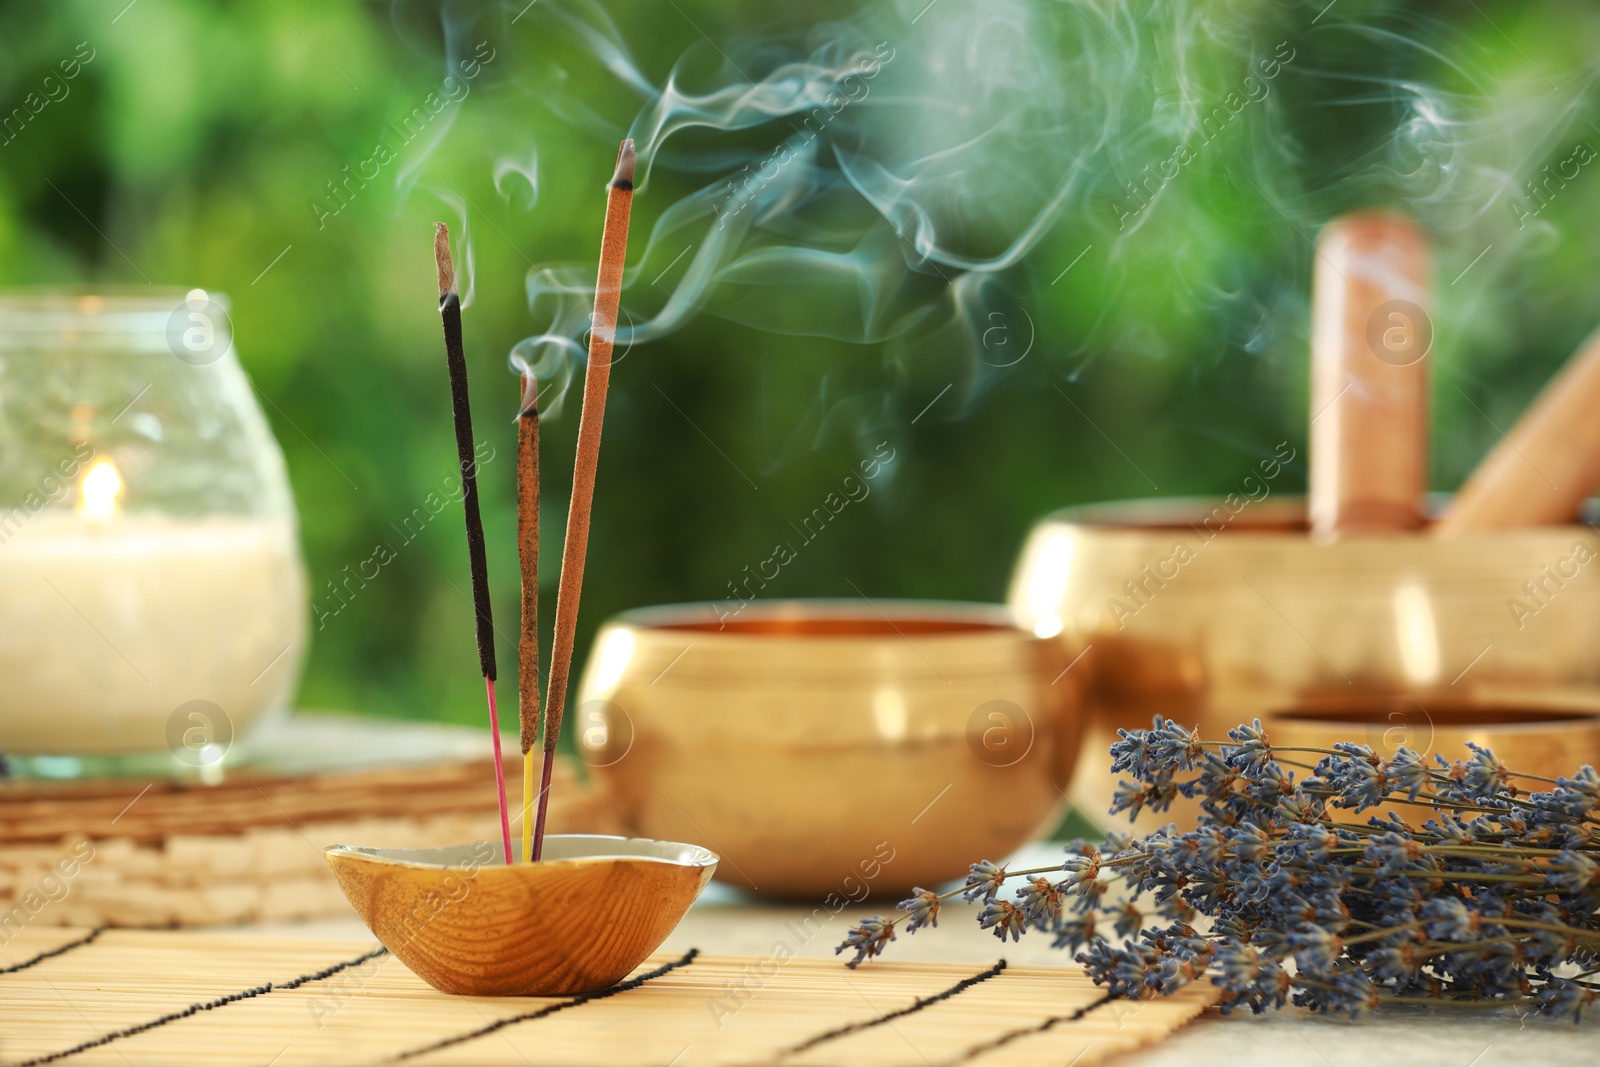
(831, 748)
(579, 920)
(1217, 612)
(1545, 742)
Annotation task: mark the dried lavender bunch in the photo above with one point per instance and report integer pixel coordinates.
(1495, 892)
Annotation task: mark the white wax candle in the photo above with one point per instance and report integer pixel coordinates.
(107, 627)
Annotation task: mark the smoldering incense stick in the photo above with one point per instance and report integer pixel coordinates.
(456, 361)
(602, 335)
(528, 556)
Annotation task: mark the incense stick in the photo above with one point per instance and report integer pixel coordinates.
(456, 361)
(528, 556)
(602, 335)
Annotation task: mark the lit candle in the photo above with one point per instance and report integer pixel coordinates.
(102, 486)
(113, 619)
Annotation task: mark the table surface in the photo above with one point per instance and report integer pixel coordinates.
(725, 922)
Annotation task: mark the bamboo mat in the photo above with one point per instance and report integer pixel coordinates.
(171, 998)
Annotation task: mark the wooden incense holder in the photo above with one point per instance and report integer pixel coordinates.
(578, 921)
(1544, 469)
(1370, 337)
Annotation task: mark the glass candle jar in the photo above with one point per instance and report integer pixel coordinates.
(152, 595)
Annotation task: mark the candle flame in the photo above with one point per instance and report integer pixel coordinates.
(99, 490)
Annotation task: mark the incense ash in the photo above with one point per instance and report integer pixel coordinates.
(1474, 892)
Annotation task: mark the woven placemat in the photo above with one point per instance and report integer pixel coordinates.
(135, 997)
(248, 849)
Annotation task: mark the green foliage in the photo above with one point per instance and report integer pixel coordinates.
(196, 148)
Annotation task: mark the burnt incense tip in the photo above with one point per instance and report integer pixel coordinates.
(441, 258)
(627, 158)
(530, 397)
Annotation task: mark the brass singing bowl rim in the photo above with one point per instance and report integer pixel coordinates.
(1271, 541)
(1277, 514)
(1534, 742)
(1282, 517)
(823, 641)
(1464, 715)
(560, 851)
(811, 619)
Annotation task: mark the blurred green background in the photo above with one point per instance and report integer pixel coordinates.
(1163, 357)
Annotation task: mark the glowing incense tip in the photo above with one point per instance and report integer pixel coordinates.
(441, 257)
(627, 158)
(530, 397)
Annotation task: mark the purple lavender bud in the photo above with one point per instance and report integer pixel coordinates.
(1040, 901)
(922, 908)
(1574, 873)
(983, 880)
(868, 939)
(1003, 917)
(1315, 948)
(1450, 920)
(1564, 999)
(1071, 933)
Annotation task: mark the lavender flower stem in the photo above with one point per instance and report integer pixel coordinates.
(1488, 902)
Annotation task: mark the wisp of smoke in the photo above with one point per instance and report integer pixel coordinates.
(948, 181)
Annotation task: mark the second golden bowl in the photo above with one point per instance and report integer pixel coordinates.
(1542, 743)
(833, 749)
(1214, 613)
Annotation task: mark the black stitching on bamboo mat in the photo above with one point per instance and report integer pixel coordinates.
(500, 1024)
(205, 1005)
(57, 951)
(920, 1003)
(1005, 1039)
